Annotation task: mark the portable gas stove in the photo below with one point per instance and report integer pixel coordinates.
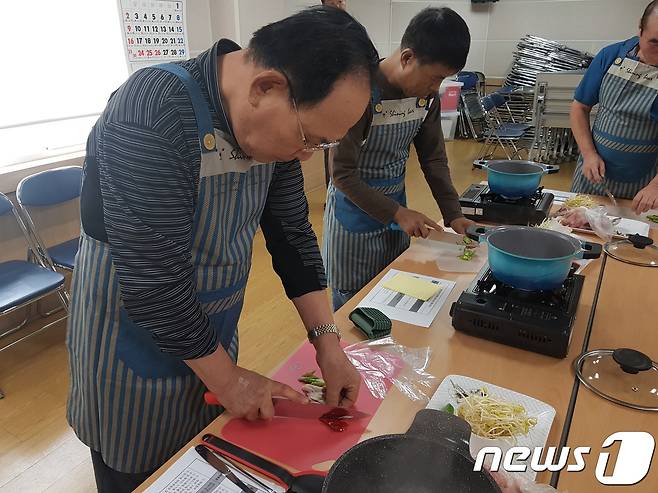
(538, 321)
(481, 205)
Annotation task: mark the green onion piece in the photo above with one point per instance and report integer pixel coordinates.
(448, 409)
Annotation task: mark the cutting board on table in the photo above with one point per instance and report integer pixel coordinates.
(301, 444)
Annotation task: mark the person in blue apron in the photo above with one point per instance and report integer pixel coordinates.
(620, 151)
(367, 223)
(183, 165)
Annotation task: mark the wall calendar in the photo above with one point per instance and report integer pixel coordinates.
(154, 31)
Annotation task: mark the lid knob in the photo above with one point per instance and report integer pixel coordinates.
(632, 361)
(640, 241)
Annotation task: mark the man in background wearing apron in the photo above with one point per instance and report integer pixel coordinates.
(339, 4)
(366, 221)
(183, 165)
(621, 150)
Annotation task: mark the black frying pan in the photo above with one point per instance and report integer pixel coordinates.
(433, 456)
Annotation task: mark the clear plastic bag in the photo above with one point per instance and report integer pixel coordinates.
(595, 218)
(382, 362)
(600, 223)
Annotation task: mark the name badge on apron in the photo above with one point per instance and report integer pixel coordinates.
(227, 158)
(397, 111)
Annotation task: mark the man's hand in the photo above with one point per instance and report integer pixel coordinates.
(414, 223)
(593, 168)
(247, 394)
(461, 224)
(242, 392)
(646, 199)
(342, 379)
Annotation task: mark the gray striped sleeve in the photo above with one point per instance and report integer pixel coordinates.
(148, 199)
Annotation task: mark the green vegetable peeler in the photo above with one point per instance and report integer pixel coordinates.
(373, 323)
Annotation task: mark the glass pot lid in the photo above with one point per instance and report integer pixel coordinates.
(624, 376)
(635, 249)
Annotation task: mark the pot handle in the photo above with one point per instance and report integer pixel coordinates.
(590, 250)
(432, 424)
(477, 232)
(481, 164)
(550, 169)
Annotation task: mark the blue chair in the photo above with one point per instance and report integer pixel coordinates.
(23, 282)
(500, 134)
(469, 79)
(47, 189)
(471, 122)
(499, 102)
(508, 89)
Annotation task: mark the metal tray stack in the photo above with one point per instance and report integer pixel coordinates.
(534, 55)
(554, 143)
(551, 142)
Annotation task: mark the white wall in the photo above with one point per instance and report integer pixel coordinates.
(199, 31)
(586, 25)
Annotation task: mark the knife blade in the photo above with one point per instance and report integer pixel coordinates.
(210, 457)
(609, 193)
(287, 408)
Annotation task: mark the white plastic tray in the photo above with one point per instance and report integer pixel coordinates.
(537, 436)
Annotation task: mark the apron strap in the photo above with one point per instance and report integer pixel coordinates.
(201, 111)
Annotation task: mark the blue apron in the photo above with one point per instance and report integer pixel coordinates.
(134, 404)
(625, 134)
(355, 246)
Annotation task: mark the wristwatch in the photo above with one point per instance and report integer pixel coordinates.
(323, 329)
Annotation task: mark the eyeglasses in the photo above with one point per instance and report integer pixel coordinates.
(323, 146)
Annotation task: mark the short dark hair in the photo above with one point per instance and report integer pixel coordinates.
(438, 35)
(651, 8)
(314, 48)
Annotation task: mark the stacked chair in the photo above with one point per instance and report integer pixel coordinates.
(24, 283)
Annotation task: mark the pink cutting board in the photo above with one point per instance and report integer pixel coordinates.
(301, 444)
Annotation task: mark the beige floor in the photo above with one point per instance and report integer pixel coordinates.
(39, 452)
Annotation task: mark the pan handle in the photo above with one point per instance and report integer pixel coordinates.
(431, 424)
(590, 250)
(477, 232)
(550, 169)
(481, 164)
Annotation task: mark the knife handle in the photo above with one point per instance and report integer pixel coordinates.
(211, 399)
(277, 473)
(246, 458)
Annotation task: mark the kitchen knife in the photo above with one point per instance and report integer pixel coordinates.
(609, 193)
(210, 457)
(287, 408)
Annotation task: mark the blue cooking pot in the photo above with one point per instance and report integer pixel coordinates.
(532, 259)
(515, 179)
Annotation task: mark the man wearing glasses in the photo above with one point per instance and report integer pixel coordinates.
(184, 164)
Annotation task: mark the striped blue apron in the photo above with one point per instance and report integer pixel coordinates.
(624, 133)
(355, 246)
(134, 404)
